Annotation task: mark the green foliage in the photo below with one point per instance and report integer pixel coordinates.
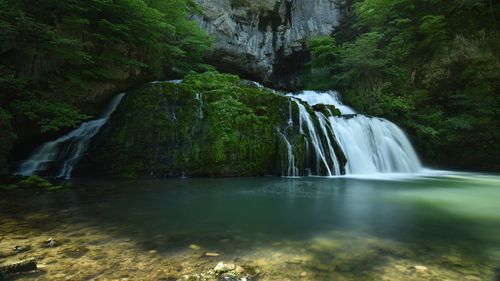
(58, 52)
(51, 116)
(58, 59)
(430, 65)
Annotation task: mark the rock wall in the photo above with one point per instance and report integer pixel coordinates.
(265, 40)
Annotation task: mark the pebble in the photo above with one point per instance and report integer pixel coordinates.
(223, 268)
(51, 242)
(20, 249)
(420, 268)
(194, 247)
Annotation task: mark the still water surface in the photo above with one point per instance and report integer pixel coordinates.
(444, 227)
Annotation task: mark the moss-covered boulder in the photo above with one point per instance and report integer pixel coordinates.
(211, 125)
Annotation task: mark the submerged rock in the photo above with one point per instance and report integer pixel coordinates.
(194, 247)
(21, 248)
(51, 242)
(230, 272)
(18, 267)
(420, 268)
(224, 268)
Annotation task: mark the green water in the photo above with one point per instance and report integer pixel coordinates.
(295, 229)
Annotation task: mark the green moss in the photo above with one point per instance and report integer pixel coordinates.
(211, 124)
(9, 187)
(38, 182)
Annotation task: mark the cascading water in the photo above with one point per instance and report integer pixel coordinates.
(370, 144)
(59, 157)
(199, 98)
(326, 160)
(291, 169)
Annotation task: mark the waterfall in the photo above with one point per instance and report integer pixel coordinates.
(292, 170)
(59, 157)
(199, 98)
(370, 144)
(321, 142)
(374, 145)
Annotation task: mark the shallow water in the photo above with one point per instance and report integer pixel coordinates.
(444, 227)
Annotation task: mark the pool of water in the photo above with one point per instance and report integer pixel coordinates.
(444, 227)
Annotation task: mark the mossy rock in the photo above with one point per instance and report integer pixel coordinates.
(210, 125)
(327, 109)
(38, 182)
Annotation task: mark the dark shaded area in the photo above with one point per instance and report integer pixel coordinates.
(287, 70)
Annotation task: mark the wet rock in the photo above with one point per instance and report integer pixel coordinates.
(51, 242)
(230, 272)
(194, 247)
(420, 268)
(21, 248)
(319, 107)
(18, 267)
(221, 268)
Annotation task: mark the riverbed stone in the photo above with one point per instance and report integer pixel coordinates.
(224, 268)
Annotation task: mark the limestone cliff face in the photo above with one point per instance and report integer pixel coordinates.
(265, 39)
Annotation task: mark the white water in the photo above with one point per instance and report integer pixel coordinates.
(330, 97)
(199, 98)
(321, 156)
(374, 145)
(64, 153)
(371, 145)
(292, 170)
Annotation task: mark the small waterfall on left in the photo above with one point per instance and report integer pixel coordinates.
(58, 158)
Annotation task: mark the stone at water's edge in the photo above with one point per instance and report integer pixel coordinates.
(209, 125)
(266, 39)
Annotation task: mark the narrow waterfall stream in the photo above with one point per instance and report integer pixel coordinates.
(370, 144)
(59, 157)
